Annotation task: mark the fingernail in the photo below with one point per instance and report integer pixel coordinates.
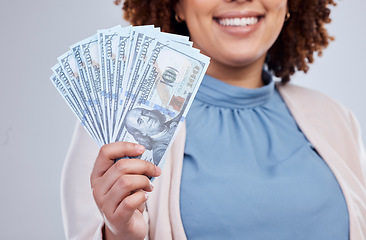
(151, 185)
(157, 170)
(139, 147)
(146, 195)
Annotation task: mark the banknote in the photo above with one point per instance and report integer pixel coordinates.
(142, 38)
(136, 69)
(90, 52)
(72, 95)
(169, 80)
(89, 89)
(90, 69)
(121, 62)
(111, 40)
(132, 84)
(107, 57)
(60, 86)
(178, 38)
(135, 40)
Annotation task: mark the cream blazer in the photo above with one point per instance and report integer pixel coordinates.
(331, 128)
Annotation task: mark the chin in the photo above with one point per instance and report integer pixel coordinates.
(242, 59)
(240, 62)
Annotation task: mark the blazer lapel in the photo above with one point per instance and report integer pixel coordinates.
(353, 189)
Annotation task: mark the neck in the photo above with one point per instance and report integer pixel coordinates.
(249, 76)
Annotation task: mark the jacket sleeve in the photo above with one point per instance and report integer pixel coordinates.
(81, 217)
(361, 147)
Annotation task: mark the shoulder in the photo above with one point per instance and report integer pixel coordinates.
(306, 96)
(313, 104)
(321, 117)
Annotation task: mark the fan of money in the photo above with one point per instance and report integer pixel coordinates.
(132, 84)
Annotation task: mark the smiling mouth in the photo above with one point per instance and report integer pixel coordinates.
(237, 22)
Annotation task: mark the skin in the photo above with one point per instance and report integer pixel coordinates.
(237, 58)
(119, 189)
(237, 53)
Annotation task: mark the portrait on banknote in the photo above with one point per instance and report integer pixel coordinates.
(151, 129)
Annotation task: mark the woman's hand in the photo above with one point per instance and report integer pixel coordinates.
(119, 189)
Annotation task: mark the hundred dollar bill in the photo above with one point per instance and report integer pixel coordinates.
(90, 52)
(104, 82)
(129, 58)
(72, 93)
(131, 84)
(168, 84)
(143, 52)
(139, 36)
(177, 38)
(136, 37)
(111, 41)
(70, 68)
(142, 57)
(71, 72)
(68, 64)
(89, 89)
(69, 99)
(123, 40)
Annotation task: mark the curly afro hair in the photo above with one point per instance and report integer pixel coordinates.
(302, 35)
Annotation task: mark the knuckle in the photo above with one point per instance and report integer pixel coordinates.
(103, 151)
(127, 204)
(104, 209)
(103, 148)
(124, 145)
(147, 182)
(95, 193)
(97, 196)
(124, 183)
(151, 167)
(121, 166)
(103, 206)
(148, 165)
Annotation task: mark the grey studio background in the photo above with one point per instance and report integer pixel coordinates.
(36, 124)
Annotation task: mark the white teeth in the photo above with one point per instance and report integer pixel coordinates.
(238, 22)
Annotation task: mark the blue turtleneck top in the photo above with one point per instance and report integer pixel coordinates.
(250, 173)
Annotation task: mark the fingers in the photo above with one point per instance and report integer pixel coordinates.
(109, 152)
(126, 185)
(131, 166)
(119, 188)
(128, 219)
(141, 208)
(130, 204)
(125, 167)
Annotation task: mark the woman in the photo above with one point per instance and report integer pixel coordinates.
(254, 160)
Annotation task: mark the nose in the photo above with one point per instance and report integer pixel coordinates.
(145, 118)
